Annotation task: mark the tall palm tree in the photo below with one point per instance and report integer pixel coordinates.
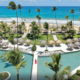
(55, 9)
(46, 26)
(20, 28)
(38, 10)
(37, 18)
(13, 6)
(72, 11)
(55, 66)
(8, 29)
(20, 7)
(15, 59)
(67, 17)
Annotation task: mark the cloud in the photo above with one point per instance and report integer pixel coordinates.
(59, 0)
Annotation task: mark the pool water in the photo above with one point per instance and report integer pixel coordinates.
(67, 59)
(25, 73)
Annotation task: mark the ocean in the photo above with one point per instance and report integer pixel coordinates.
(45, 13)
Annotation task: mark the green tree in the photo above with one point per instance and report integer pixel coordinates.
(13, 22)
(38, 10)
(72, 11)
(46, 26)
(20, 7)
(8, 29)
(13, 6)
(67, 17)
(15, 58)
(55, 9)
(20, 28)
(55, 66)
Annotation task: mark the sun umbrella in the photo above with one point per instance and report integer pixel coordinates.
(58, 42)
(75, 39)
(77, 43)
(43, 42)
(79, 39)
(70, 45)
(21, 40)
(28, 41)
(5, 44)
(51, 42)
(69, 41)
(15, 40)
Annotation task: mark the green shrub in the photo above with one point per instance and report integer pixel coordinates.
(34, 47)
(3, 75)
(31, 35)
(28, 35)
(78, 72)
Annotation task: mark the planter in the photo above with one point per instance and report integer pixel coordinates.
(9, 75)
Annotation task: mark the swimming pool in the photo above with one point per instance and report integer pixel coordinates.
(25, 73)
(67, 59)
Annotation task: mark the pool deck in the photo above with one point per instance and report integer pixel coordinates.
(27, 49)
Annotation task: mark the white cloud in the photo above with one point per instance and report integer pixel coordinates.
(59, 0)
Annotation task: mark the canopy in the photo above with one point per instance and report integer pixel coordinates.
(28, 41)
(58, 42)
(21, 40)
(43, 42)
(69, 41)
(75, 39)
(70, 45)
(51, 42)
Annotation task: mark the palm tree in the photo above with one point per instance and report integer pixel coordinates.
(38, 10)
(20, 28)
(20, 7)
(13, 6)
(67, 17)
(8, 29)
(46, 26)
(55, 66)
(37, 18)
(32, 24)
(72, 11)
(4, 25)
(55, 9)
(15, 59)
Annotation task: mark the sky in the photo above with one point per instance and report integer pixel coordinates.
(42, 2)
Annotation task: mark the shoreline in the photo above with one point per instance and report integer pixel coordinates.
(29, 20)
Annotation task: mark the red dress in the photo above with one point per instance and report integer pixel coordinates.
(35, 61)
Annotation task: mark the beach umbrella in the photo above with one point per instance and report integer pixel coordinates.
(77, 43)
(43, 42)
(79, 39)
(70, 45)
(0, 38)
(0, 41)
(58, 42)
(15, 40)
(28, 41)
(69, 41)
(5, 44)
(59, 30)
(51, 42)
(21, 40)
(75, 39)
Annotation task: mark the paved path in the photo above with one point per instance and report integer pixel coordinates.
(24, 35)
(74, 71)
(55, 37)
(35, 67)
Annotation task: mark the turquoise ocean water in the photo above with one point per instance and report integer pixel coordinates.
(45, 12)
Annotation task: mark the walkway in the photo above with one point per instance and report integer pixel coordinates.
(35, 67)
(24, 35)
(74, 71)
(55, 37)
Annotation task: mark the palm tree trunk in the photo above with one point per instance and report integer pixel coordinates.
(47, 39)
(17, 28)
(56, 76)
(35, 39)
(73, 19)
(21, 15)
(17, 74)
(67, 22)
(55, 19)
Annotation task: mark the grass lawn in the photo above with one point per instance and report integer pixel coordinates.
(61, 37)
(41, 37)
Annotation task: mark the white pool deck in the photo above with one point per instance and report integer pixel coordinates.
(34, 75)
(55, 37)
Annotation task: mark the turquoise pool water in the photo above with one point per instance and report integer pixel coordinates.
(67, 59)
(25, 73)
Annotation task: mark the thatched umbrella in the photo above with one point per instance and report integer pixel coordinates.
(43, 42)
(79, 39)
(15, 40)
(0, 38)
(51, 42)
(70, 45)
(4, 44)
(28, 41)
(21, 40)
(0, 41)
(77, 43)
(69, 41)
(58, 42)
(75, 39)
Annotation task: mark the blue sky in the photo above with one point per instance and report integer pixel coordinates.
(42, 2)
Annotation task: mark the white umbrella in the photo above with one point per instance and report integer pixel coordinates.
(70, 45)
(43, 42)
(69, 41)
(21, 40)
(75, 39)
(77, 43)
